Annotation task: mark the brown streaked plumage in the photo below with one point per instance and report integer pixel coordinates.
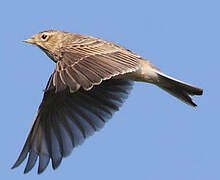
(91, 80)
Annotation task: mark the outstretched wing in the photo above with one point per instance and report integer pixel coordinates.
(65, 119)
(88, 61)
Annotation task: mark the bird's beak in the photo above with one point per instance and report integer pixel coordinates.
(30, 40)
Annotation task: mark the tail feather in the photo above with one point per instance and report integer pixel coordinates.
(177, 88)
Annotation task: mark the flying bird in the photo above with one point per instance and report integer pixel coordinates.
(91, 80)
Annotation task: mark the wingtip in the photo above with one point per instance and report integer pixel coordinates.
(193, 104)
(40, 171)
(14, 166)
(17, 163)
(43, 163)
(55, 164)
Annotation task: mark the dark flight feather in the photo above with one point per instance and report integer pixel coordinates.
(65, 119)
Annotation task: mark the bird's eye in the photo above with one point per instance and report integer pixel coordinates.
(44, 36)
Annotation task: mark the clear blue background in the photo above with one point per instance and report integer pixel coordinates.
(154, 136)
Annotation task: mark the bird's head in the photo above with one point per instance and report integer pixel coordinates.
(47, 40)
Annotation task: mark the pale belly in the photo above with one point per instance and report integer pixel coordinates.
(145, 73)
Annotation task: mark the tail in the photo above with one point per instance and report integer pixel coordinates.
(177, 88)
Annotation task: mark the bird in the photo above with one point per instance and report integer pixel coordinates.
(92, 79)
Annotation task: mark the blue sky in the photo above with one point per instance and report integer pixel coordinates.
(153, 136)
